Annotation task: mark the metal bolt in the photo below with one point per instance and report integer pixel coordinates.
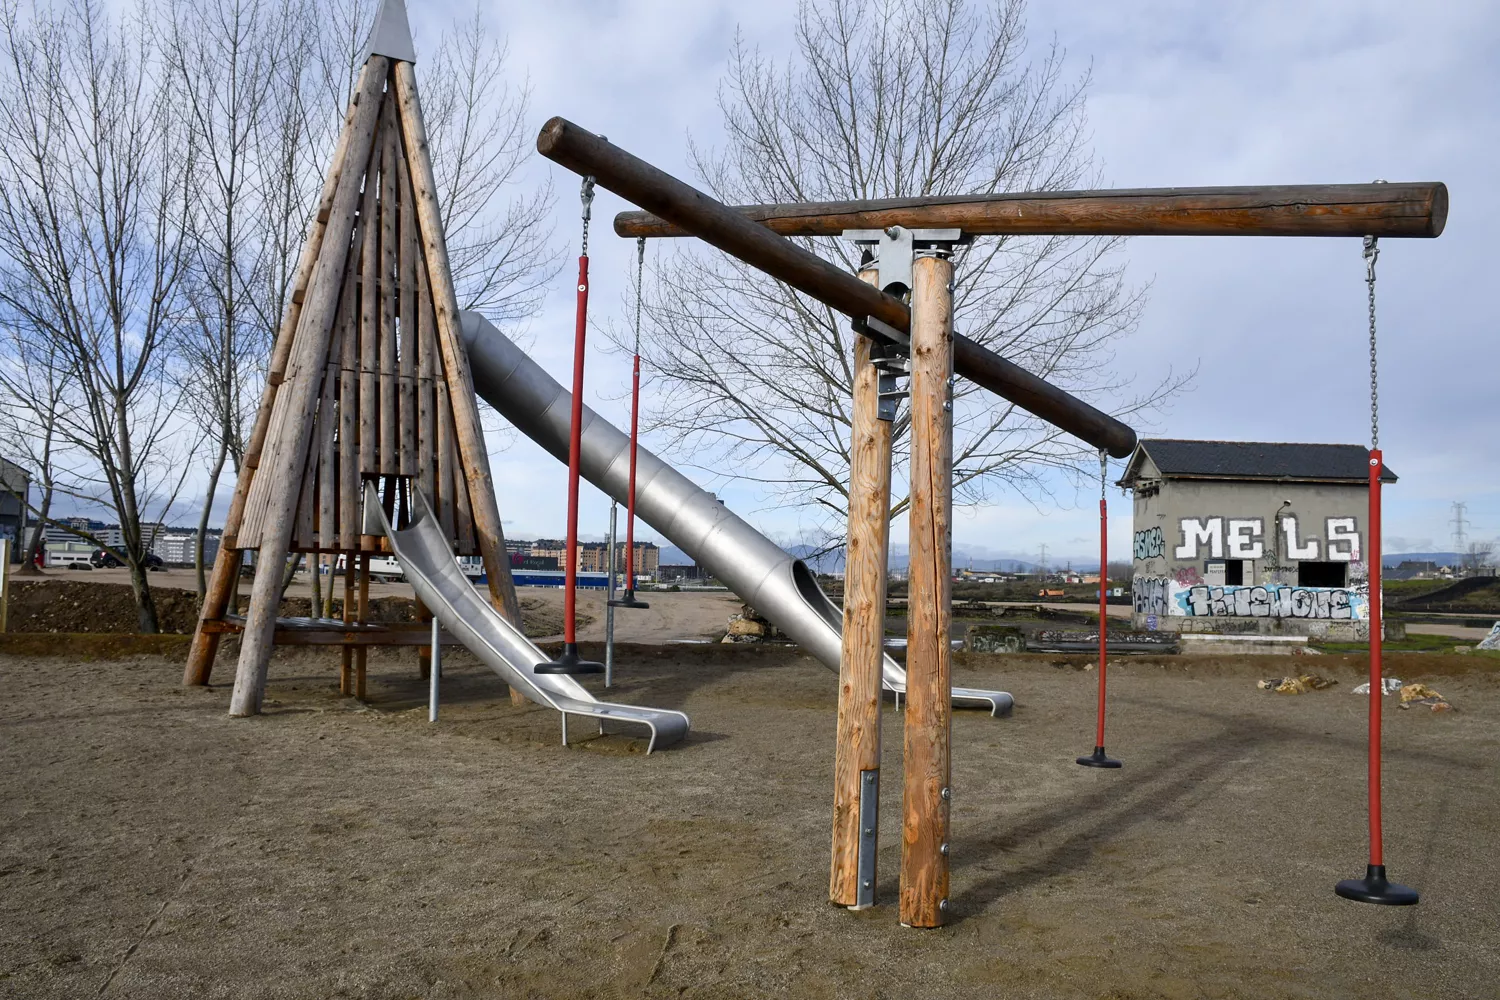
(945, 794)
(948, 406)
(943, 849)
(943, 905)
(867, 883)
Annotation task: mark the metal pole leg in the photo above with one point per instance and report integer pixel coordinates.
(432, 674)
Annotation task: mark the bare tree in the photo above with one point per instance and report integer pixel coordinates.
(93, 207)
(34, 384)
(236, 69)
(478, 128)
(888, 99)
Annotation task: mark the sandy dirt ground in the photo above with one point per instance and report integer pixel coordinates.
(152, 847)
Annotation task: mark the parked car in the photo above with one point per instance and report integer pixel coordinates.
(106, 560)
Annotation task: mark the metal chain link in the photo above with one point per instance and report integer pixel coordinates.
(1372, 253)
(640, 289)
(1103, 473)
(587, 196)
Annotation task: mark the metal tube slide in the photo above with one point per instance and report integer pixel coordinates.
(770, 580)
(435, 575)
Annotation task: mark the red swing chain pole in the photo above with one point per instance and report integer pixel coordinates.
(1098, 758)
(570, 662)
(1377, 691)
(635, 423)
(1374, 887)
(628, 599)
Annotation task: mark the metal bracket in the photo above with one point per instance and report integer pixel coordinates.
(869, 817)
(895, 247)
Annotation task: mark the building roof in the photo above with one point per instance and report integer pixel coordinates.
(1174, 458)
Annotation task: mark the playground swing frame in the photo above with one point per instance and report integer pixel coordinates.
(757, 236)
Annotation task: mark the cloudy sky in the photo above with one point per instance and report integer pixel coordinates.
(1185, 94)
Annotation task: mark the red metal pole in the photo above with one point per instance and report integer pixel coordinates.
(1103, 609)
(1377, 691)
(570, 578)
(1099, 758)
(635, 420)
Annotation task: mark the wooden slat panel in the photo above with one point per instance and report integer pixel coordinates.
(348, 446)
(463, 509)
(427, 364)
(369, 322)
(447, 459)
(389, 406)
(408, 318)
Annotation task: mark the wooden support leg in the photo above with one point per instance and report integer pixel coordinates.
(346, 655)
(856, 765)
(362, 654)
(200, 661)
(424, 653)
(925, 799)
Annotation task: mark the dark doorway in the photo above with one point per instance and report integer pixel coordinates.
(1322, 574)
(1234, 573)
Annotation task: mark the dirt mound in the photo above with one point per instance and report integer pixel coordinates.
(85, 606)
(82, 606)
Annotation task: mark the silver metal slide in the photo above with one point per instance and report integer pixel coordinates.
(435, 575)
(767, 578)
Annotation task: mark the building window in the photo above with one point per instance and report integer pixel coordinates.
(1234, 573)
(1322, 574)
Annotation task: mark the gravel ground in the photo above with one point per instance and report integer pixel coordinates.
(152, 847)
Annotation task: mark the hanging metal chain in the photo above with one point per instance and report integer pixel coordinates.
(1103, 472)
(640, 289)
(1372, 253)
(587, 196)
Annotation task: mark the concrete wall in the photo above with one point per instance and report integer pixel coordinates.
(1190, 533)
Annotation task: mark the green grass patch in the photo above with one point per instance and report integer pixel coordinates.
(1413, 643)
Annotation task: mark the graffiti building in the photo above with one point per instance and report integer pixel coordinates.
(1242, 536)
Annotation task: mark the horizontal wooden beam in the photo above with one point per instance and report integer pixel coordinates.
(388, 634)
(634, 179)
(1407, 209)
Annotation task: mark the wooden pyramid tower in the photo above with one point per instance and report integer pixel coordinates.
(368, 382)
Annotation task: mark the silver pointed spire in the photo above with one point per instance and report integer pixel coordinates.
(390, 36)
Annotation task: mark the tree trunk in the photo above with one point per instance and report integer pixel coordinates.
(145, 604)
(208, 503)
(34, 548)
(290, 573)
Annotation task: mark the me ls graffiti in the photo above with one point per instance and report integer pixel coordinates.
(1221, 537)
(1200, 531)
(1150, 544)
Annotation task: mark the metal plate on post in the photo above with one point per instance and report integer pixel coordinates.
(869, 817)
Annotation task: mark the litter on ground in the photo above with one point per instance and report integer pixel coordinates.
(1390, 684)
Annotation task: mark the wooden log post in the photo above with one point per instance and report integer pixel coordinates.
(856, 762)
(305, 375)
(925, 799)
(1402, 209)
(362, 654)
(346, 655)
(474, 455)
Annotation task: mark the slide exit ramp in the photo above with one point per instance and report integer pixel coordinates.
(434, 573)
(757, 569)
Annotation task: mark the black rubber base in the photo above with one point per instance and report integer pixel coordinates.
(628, 601)
(1373, 888)
(569, 663)
(1098, 759)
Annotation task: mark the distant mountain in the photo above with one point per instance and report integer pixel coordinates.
(1441, 558)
